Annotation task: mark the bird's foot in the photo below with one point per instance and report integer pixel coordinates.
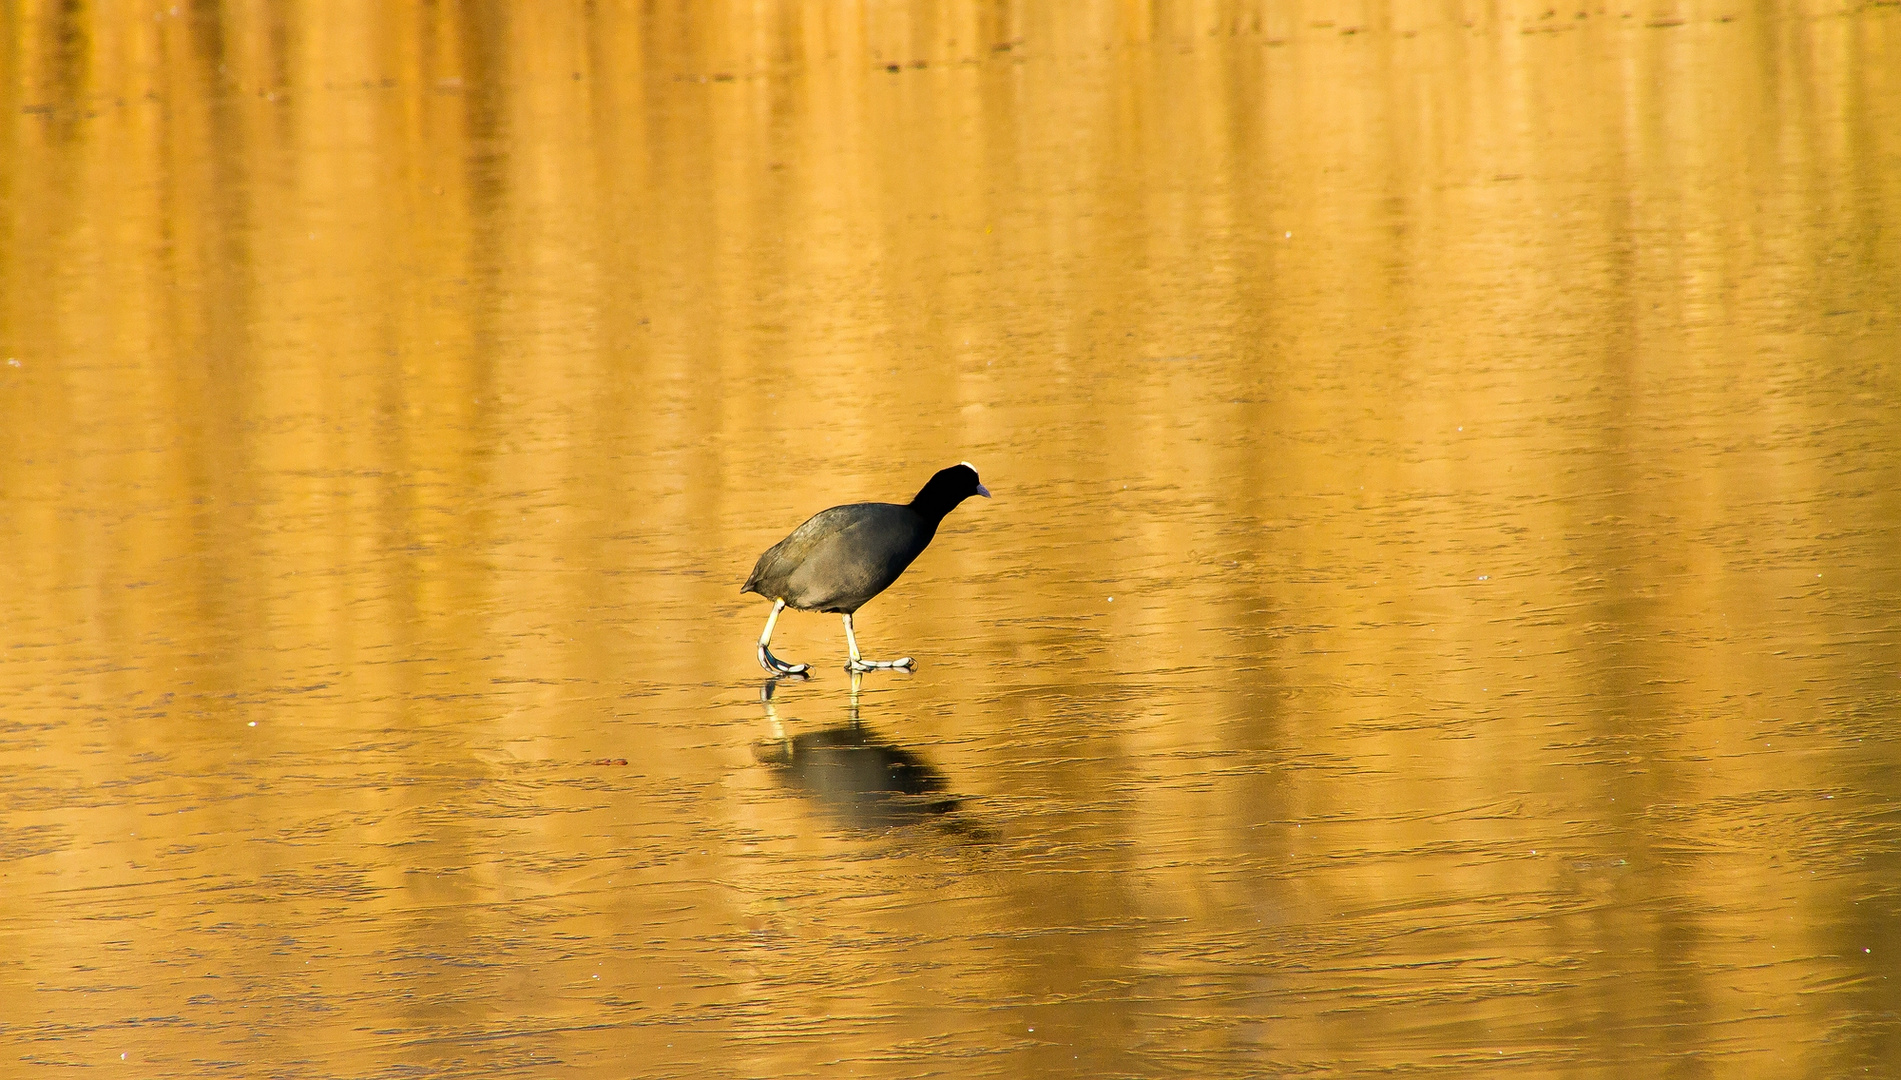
(780, 667)
(903, 662)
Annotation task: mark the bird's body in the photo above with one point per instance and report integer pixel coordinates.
(842, 557)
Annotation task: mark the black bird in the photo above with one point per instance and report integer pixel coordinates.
(844, 556)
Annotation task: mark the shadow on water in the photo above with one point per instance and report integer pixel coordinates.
(867, 782)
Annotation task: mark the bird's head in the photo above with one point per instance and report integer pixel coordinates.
(943, 492)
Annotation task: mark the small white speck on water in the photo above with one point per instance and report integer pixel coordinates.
(1290, 236)
(251, 724)
(1112, 599)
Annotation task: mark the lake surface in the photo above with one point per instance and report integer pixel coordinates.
(1440, 613)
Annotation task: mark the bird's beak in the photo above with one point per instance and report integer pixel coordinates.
(984, 491)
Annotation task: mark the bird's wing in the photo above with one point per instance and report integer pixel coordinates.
(771, 573)
(855, 563)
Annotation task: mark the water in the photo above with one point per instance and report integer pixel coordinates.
(1437, 615)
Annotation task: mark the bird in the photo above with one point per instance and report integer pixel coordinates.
(842, 557)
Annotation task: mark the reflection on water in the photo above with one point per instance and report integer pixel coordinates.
(1438, 614)
(868, 782)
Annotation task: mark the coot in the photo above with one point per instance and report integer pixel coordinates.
(844, 556)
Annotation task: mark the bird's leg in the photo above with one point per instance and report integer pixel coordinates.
(858, 663)
(766, 659)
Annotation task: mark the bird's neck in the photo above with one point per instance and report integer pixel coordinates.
(932, 506)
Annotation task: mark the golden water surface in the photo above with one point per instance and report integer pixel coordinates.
(1438, 615)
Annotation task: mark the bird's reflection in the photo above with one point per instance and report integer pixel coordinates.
(870, 783)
